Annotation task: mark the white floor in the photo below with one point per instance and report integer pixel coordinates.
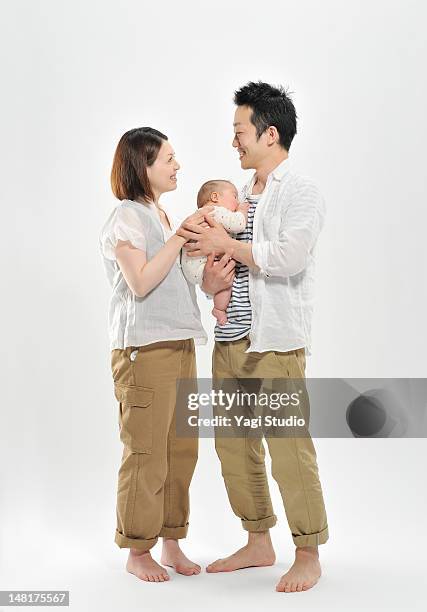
(349, 582)
(374, 559)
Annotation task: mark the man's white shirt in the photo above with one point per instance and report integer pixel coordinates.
(288, 219)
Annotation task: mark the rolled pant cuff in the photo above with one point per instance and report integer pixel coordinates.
(311, 539)
(125, 542)
(261, 524)
(174, 532)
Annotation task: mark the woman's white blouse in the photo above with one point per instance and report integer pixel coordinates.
(170, 310)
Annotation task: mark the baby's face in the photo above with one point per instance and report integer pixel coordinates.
(227, 197)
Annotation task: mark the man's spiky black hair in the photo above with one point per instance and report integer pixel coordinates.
(270, 106)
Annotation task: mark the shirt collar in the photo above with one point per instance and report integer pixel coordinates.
(277, 174)
(279, 171)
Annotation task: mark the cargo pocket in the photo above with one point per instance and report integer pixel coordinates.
(136, 417)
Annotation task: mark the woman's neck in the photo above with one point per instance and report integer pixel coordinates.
(155, 201)
(156, 198)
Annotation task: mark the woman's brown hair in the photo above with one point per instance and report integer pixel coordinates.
(137, 149)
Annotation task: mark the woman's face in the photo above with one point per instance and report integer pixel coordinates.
(162, 174)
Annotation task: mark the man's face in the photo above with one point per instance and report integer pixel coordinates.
(251, 151)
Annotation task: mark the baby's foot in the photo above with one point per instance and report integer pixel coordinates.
(220, 316)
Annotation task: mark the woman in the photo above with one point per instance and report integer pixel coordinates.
(154, 324)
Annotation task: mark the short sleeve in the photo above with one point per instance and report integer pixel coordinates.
(124, 224)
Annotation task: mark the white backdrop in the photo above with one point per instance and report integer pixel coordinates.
(75, 76)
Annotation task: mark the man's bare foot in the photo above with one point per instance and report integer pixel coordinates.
(220, 316)
(304, 573)
(172, 556)
(144, 567)
(258, 552)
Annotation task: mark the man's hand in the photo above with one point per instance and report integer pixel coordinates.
(206, 239)
(218, 275)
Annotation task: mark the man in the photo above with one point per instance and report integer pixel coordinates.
(269, 329)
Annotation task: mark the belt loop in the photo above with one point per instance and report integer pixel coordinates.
(130, 350)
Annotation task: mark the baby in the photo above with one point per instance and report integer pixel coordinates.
(233, 216)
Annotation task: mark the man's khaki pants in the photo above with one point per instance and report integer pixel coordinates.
(157, 466)
(293, 459)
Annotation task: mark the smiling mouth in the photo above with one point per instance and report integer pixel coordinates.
(173, 177)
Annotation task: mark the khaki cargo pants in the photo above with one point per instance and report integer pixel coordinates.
(293, 459)
(156, 467)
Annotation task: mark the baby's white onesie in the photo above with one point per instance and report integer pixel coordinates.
(233, 222)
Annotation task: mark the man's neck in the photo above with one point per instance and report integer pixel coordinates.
(264, 169)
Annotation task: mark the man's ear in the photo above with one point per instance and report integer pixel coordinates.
(272, 135)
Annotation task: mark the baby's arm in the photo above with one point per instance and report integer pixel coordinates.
(244, 207)
(232, 221)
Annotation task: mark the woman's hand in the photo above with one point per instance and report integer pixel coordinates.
(205, 240)
(196, 218)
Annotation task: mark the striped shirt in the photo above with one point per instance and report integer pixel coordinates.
(239, 311)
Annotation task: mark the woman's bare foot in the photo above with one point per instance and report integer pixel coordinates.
(220, 316)
(304, 573)
(258, 552)
(172, 556)
(144, 567)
